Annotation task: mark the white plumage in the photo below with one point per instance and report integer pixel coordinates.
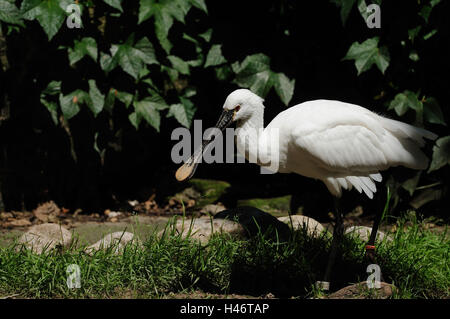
(344, 145)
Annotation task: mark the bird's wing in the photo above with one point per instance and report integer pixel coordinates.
(350, 145)
(347, 155)
(343, 149)
(344, 142)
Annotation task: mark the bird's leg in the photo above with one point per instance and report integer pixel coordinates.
(338, 233)
(370, 246)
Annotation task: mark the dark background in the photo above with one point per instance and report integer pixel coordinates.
(35, 160)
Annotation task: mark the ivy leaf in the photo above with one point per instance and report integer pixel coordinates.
(145, 50)
(346, 6)
(432, 112)
(254, 73)
(425, 12)
(134, 119)
(110, 100)
(411, 184)
(399, 104)
(413, 101)
(206, 35)
(115, 4)
(284, 87)
(113, 94)
(125, 97)
(147, 110)
(368, 53)
(403, 101)
(70, 103)
(9, 13)
(96, 98)
(200, 4)
(157, 101)
(52, 107)
(223, 73)
(164, 12)
(178, 64)
(441, 154)
(131, 59)
(53, 88)
(183, 112)
(412, 33)
(50, 14)
(87, 46)
(215, 56)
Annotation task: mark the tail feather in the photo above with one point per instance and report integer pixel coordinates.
(403, 130)
(403, 143)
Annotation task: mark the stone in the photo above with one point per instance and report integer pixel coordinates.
(212, 209)
(277, 206)
(47, 212)
(204, 227)
(200, 192)
(5, 216)
(114, 214)
(363, 233)
(313, 227)
(255, 221)
(44, 237)
(19, 223)
(361, 291)
(117, 241)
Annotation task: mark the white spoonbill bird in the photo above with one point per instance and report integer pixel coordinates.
(342, 144)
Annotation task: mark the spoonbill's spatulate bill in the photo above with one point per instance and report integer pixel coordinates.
(343, 145)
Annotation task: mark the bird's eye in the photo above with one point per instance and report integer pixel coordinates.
(237, 108)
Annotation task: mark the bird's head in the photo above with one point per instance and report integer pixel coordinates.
(240, 105)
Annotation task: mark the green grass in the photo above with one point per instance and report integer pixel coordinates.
(416, 261)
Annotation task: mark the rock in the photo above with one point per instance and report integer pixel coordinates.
(45, 237)
(133, 203)
(5, 216)
(361, 291)
(277, 206)
(201, 228)
(19, 223)
(117, 241)
(313, 227)
(255, 220)
(212, 209)
(200, 192)
(363, 232)
(114, 214)
(47, 212)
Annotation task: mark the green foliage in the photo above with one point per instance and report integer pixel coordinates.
(50, 14)
(368, 53)
(215, 56)
(155, 71)
(9, 13)
(346, 7)
(164, 12)
(254, 73)
(131, 57)
(441, 153)
(87, 46)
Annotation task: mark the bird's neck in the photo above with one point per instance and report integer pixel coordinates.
(248, 134)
